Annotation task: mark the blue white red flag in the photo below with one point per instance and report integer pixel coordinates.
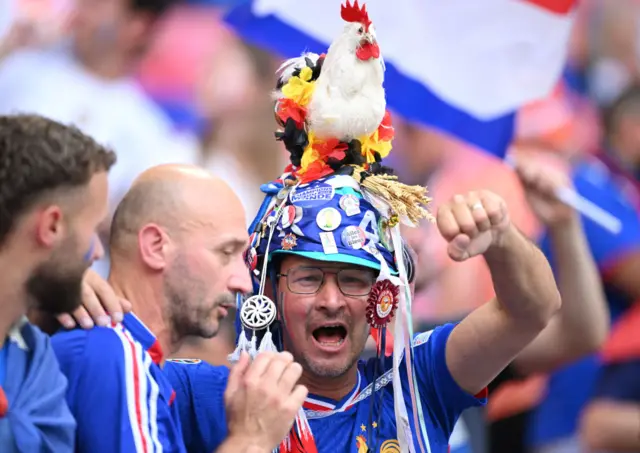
(464, 67)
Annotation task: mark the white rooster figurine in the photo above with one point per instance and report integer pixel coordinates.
(349, 99)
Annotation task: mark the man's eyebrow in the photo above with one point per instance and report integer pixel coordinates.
(235, 243)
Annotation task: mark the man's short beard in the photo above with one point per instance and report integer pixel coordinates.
(323, 371)
(189, 322)
(320, 370)
(54, 290)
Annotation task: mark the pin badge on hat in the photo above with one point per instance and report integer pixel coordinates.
(384, 232)
(354, 237)
(312, 197)
(251, 258)
(289, 242)
(350, 204)
(382, 303)
(288, 216)
(328, 219)
(282, 193)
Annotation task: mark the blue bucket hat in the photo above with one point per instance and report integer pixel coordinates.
(325, 220)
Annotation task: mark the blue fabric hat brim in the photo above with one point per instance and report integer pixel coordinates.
(334, 258)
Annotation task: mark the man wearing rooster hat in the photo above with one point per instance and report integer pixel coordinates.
(328, 266)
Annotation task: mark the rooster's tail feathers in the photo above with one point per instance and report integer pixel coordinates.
(286, 69)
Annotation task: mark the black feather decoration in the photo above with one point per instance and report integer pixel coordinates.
(346, 170)
(309, 63)
(317, 69)
(354, 153)
(363, 175)
(295, 140)
(334, 163)
(378, 169)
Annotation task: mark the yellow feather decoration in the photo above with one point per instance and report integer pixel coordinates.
(299, 90)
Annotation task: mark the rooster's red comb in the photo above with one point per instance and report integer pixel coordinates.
(354, 13)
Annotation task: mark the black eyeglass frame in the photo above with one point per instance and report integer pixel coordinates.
(324, 272)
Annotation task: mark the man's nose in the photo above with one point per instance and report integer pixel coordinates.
(329, 296)
(240, 281)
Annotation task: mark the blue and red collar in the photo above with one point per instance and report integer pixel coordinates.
(144, 336)
(321, 404)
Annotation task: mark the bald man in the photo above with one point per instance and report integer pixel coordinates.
(176, 255)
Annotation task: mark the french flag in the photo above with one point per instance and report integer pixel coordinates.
(462, 66)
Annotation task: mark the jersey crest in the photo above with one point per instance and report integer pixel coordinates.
(186, 361)
(388, 446)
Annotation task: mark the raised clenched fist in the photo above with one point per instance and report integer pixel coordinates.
(472, 223)
(542, 182)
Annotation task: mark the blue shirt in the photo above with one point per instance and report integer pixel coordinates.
(117, 391)
(200, 388)
(38, 418)
(3, 361)
(570, 387)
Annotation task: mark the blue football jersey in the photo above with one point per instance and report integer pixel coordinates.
(350, 428)
(117, 392)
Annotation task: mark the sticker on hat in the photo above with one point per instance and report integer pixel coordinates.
(315, 196)
(328, 219)
(373, 249)
(354, 237)
(289, 242)
(329, 246)
(350, 204)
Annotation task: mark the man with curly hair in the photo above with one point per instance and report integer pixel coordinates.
(53, 195)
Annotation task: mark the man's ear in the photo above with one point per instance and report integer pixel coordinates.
(50, 229)
(153, 245)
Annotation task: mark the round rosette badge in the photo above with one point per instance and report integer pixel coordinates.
(382, 303)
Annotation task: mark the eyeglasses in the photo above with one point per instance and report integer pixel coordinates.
(309, 280)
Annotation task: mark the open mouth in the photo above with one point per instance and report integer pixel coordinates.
(330, 335)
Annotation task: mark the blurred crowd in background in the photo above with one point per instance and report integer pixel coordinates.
(163, 82)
